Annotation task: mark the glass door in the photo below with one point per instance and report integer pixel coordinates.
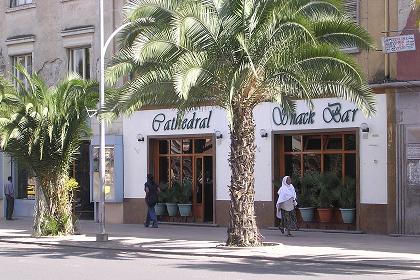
(198, 194)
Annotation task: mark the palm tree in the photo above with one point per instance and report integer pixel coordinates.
(236, 54)
(42, 129)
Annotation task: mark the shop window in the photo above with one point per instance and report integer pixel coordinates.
(293, 165)
(321, 153)
(175, 169)
(164, 147)
(176, 146)
(187, 146)
(203, 145)
(350, 165)
(293, 143)
(312, 163)
(312, 142)
(333, 163)
(79, 62)
(333, 142)
(163, 170)
(187, 171)
(349, 142)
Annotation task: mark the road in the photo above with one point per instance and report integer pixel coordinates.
(35, 262)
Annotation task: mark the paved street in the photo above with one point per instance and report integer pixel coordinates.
(25, 261)
(194, 253)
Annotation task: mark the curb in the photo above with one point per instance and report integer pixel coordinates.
(232, 256)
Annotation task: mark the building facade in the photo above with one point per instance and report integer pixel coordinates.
(55, 37)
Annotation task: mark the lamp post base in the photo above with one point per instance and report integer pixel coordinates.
(101, 237)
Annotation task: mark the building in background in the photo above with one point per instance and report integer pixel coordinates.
(55, 37)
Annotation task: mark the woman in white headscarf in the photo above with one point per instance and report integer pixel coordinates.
(286, 206)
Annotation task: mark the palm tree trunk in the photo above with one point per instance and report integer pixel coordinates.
(243, 230)
(39, 211)
(53, 211)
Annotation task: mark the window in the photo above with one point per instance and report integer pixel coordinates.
(352, 9)
(329, 152)
(79, 62)
(26, 61)
(16, 3)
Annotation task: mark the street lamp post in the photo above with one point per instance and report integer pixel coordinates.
(102, 235)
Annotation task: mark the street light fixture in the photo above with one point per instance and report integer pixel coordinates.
(102, 235)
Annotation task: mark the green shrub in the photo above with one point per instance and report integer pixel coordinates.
(185, 192)
(327, 186)
(163, 194)
(346, 193)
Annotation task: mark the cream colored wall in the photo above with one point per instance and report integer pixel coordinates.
(372, 18)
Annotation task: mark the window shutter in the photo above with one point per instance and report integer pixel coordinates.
(352, 9)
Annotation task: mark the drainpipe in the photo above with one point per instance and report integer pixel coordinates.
(387, 75)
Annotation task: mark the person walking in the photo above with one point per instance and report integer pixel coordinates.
(10, 198)
(152, 193)
(286, 206)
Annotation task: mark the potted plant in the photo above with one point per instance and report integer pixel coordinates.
(172, 199)
(306, 187)
(184, 199)
(160, 207)
(327, 185)
(346, 194)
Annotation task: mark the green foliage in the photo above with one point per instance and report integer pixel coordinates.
(346, 193)
(185, 53)
(306, 189)
(53, 226)
(42, 128)
(327, 185)
(164, 192)
(174, 192)
(71, 184)
(185, 195)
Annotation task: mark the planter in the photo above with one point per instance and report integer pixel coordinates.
(307, 213)
(348, 215)
(172, 209)
(185, 209)
(325, 214)
(160, 209)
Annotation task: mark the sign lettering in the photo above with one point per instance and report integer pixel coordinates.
(176, 123)
(332, 113)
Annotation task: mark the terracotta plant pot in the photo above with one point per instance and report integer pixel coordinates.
(325, 214)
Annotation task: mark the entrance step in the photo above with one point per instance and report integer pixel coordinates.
(189, 224)
(325, 230)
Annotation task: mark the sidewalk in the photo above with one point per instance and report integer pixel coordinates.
(308, 247)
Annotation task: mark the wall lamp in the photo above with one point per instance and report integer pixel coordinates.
(263, 133)
(218, 134)
(140, 138)
(365, 130)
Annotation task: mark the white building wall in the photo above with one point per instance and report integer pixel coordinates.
(372, 151)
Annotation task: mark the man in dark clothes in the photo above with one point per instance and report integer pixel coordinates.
(9, 191)
(152, 193)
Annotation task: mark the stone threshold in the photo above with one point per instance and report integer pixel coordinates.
(188, 224)
(324, 230)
